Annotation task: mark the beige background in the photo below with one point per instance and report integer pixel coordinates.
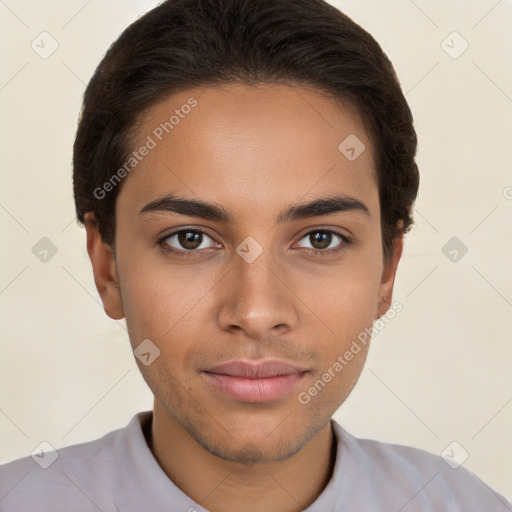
(439, 372)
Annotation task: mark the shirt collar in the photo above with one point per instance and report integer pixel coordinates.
(144, 481)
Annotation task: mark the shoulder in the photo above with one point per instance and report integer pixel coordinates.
(420, 479)
(64, 478)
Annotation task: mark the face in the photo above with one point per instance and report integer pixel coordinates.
(248, 250)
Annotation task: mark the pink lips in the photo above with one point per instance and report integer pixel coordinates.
(249, 382)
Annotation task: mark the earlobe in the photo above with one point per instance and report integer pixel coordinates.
(104, 269)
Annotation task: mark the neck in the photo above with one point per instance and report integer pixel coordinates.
(288, 485)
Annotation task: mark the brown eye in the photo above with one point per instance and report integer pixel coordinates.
(190, 239)
(324, 241)
(320, 239)
(187, 241)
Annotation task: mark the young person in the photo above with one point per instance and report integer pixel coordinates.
(245, 173)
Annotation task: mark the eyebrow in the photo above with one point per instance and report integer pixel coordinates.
(215, 212)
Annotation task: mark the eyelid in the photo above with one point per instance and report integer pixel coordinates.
(343, 233)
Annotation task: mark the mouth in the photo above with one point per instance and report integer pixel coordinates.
(256, 383)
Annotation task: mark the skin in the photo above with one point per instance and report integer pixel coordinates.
(255, 150)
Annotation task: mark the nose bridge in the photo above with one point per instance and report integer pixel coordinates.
(257, 300)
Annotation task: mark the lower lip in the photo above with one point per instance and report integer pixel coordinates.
(254, 390)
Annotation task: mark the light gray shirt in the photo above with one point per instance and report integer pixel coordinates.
(119, 473)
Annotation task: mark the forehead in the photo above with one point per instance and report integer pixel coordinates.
(251, 146)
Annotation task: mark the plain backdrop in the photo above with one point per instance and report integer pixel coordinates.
(437, 373)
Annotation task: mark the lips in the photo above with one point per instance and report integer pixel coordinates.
(254, 382)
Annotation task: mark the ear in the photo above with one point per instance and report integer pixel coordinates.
(104, 269)
(388, 277)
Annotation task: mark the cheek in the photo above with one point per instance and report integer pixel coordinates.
(342, 352)
(345, 297)
(345, 302)
(156, 308)
(346, 309)
(352, 303)
(156, 295)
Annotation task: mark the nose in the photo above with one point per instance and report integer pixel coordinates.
(256, 301)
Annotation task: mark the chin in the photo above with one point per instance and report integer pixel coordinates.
(257, 439)
(252, 451)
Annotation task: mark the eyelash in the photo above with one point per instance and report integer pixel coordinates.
(345, 241)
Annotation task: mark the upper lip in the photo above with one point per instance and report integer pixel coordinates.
(252, 370)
